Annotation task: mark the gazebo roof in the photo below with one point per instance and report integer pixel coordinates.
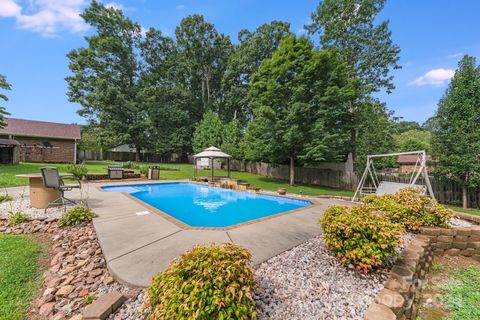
(212, 152)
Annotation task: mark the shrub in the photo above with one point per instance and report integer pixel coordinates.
(17, 217)
(76, 215)
(143, 169)
(77, 170)
(359, 236)
(130, 165)
(5, 198)
(410, 209)
(207, 282)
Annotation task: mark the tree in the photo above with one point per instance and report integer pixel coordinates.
(95, 137)
(246, 59)
(232, 138)
(209, 132)
(202, 59)
(430, 125)
(365, 46)
(413, 140)
(375, 134)
(106, 76)
(456, 140)
(403, 126)
(167, 101)
(299, 102)
(3, 113)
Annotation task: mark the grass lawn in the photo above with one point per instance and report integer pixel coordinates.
(452, 290)
(468, 211)
(180, 172)
(462, 294)
(20, 275)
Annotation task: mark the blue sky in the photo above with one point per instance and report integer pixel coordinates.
(36, 35)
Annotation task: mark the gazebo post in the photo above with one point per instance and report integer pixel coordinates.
(211, 159)
(228, 166)
(194, 168)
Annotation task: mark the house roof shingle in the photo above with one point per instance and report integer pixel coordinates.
(410, 158)
(33, 128)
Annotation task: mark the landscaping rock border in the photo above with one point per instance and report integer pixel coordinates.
(77, 271)
(397, 299)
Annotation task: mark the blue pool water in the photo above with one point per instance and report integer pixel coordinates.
(202, 206)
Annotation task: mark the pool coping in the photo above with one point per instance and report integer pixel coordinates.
(315, 202)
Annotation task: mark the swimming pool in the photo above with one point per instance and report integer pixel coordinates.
(201, 206)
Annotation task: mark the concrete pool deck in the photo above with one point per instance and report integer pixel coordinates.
(137, 247)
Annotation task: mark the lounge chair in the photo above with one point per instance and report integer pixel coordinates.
(51, 179)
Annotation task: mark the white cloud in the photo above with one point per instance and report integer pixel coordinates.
(435, 77)
(46, 16)
(180, 7)
(9, 8)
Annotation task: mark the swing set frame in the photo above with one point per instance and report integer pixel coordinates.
(420, 169)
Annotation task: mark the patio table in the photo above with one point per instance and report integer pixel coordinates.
(40, 196)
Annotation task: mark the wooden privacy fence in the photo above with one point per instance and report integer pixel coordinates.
(445, 191)
(122, 156)
(316, 176)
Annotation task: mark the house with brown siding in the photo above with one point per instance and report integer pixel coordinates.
(409, 162)
(41, 141)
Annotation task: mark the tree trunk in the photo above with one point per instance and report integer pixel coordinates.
(353, 133)
(292, 171)
(138, 155)
(464, 197)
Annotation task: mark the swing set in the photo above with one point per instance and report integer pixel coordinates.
(387, 187)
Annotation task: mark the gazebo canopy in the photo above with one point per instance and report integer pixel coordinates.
(211, 153)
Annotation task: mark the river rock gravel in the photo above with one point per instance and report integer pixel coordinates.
(306, 283)
(22, 204)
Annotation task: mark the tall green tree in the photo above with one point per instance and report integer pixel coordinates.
(106, 76)
(202, 59)
(3, 113)
(246, 59)
(365, 45)
(167, 101)
(232, 138)
(376, 129)
(209, 132)
(456, 140)
(404, 126)
(413, 140)
(300, 111)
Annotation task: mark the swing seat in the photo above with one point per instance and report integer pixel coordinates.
(387, 187)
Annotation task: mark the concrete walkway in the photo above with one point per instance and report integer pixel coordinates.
(137, 247)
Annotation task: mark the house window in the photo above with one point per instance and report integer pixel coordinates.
(47, 144)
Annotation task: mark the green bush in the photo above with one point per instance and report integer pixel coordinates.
(17, 217)
(77, 170)
(76, 215)
(359, 236)
(5, 198)
(410, 209)
(130, 165)
(143, 169)
(207, 282)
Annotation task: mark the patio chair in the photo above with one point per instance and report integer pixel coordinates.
(51, 179)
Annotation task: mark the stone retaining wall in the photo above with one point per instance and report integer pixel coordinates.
(455, 241)
(397, 299)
